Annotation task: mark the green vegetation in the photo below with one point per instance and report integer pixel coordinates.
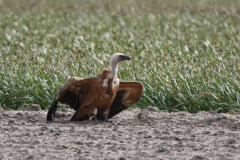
(185, 52)
(162, 149)
(56, 133)
(215, 134)
(65, 147)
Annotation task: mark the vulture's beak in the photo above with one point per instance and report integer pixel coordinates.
(123, 57)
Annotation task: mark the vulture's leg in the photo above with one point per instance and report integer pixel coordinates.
(105, 116)
(95, 115)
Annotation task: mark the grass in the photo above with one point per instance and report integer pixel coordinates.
(185, 52)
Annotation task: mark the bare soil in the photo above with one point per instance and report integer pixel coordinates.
(133, 134)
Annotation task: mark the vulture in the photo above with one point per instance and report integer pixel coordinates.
(102, 96)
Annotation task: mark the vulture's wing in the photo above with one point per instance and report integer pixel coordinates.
(128, 93)
(73, 92)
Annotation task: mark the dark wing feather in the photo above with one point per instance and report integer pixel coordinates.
(117, 105)
(71, 93)
(127, 94)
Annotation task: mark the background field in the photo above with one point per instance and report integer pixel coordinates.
(185, 52)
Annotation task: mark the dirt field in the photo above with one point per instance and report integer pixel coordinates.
(133, 134)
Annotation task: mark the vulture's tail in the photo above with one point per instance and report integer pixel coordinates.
(52, 109)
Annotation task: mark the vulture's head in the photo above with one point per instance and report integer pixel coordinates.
(118, 57)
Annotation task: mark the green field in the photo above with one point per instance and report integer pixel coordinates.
(185, 52)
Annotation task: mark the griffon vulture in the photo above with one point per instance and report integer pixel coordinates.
(103, 96)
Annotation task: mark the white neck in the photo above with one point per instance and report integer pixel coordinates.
(114, 71)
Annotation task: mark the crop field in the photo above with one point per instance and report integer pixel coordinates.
(185, 52)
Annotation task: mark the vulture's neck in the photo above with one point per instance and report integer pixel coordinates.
(114, 67)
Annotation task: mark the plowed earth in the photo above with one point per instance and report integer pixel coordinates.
(133, 134)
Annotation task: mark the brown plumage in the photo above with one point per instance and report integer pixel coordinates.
(103, 96)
